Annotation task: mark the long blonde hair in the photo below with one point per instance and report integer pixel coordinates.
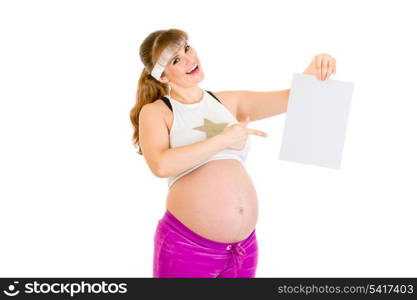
(149, 89)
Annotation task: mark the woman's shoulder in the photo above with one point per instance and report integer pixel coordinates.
(228, 99)
(158, 105)
(157, 110)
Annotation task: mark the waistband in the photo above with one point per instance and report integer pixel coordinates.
(176, 224)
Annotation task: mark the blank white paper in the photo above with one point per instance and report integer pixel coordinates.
(316, 121)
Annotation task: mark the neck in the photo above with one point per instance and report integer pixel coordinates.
(187, 95)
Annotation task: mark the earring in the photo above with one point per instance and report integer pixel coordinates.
(169, 91)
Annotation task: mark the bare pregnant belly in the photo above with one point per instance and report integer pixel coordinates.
(217, 201)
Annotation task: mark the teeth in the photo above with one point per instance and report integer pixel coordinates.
(192, 68)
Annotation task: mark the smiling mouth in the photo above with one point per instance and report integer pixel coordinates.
(195, 69)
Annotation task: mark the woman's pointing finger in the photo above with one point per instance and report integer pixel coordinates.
(256, 132)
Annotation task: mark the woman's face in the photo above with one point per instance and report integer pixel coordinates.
(178, 68)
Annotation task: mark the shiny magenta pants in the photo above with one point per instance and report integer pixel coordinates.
(180, 252)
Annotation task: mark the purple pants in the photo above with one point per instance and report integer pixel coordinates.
(180, 252)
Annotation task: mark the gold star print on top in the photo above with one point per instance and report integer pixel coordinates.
(211, 128)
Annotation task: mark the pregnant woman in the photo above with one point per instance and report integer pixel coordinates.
(192, 137)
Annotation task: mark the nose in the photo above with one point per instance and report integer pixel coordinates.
(189, 63)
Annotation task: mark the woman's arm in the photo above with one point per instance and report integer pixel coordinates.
(256, 105)
(154, 142)
(178, 159)
(261, 105)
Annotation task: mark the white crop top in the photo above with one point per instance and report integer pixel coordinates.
(197, 121)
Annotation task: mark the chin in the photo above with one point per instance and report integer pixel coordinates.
(198, 79)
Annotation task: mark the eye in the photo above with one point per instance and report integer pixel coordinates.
(187, 47)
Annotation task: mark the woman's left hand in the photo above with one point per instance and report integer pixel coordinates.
(322, 66)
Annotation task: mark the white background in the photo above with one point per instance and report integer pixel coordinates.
(77, 200)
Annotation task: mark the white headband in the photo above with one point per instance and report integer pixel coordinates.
(165, 57)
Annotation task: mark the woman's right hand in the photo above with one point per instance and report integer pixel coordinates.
(235, 135)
